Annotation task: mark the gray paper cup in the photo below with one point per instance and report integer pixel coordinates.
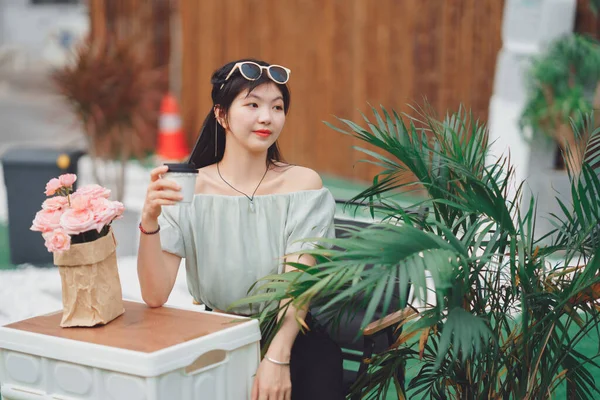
(185, 176)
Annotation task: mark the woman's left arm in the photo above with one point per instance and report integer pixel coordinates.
(273, 381)
(281, 346)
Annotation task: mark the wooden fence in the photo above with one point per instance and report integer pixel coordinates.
(114, 19)
(345, 54)
(586, 22)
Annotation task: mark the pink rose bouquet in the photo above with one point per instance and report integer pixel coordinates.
(74, 217)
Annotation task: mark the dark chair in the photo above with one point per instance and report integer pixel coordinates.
(378, 336)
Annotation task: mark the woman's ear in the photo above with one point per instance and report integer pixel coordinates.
(220, 116)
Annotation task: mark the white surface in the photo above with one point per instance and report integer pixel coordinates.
(506, 138)
(511, 76)
(58, 368)
(129, 361)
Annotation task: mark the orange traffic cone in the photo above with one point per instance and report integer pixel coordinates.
(171, 145)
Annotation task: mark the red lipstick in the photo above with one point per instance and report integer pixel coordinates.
(263, 132)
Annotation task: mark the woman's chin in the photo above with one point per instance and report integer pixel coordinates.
(260, 146)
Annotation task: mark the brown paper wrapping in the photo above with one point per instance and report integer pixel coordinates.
(91, 289)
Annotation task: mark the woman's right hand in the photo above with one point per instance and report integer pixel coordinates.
(161, 192)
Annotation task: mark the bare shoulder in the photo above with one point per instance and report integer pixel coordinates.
(297, 178)
(205, 180)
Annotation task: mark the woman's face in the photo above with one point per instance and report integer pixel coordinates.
(256, 119)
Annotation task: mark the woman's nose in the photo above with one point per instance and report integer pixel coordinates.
(264, 116)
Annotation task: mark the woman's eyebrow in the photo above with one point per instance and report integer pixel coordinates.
(260, 98)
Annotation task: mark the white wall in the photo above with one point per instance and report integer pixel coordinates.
(528, 27)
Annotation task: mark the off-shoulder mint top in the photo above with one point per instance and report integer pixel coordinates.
(228, 246)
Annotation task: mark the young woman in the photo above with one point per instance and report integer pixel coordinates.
(250, 210)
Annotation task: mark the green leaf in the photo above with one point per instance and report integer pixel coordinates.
(460, 333)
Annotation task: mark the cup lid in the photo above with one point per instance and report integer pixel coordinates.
(182, 167)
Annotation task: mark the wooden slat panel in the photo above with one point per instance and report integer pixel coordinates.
(289, 52)
(359, 85)
(235, 42)
(323, 78)
(340, 99)
(112, 20)
(468, 58)
(585, 20)
(207, 45)
(345, 53)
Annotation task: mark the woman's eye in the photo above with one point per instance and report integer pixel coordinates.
(254, 105)
(279, 108)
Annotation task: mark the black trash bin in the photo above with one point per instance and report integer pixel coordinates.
(26, 172)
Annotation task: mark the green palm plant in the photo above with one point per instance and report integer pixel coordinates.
(509, 311)
(564, 82)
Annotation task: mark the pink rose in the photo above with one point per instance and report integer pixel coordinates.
(67, 180)
(52, 186)
(57, 240)
(47, 220)
(55, 203)
(105, 211)
(93, 191)
(81, 202)
(119, 208)
(77, 221)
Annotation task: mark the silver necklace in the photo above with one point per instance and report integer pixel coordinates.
(251, 198)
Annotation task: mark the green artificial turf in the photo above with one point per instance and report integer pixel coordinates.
(4, 249)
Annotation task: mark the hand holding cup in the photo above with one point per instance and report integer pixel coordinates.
(167, 187)
(185, 176)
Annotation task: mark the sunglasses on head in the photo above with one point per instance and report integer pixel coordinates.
(252, 71)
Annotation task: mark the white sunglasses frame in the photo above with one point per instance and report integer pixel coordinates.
(262, 67)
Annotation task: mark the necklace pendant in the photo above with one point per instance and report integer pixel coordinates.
(252, 206)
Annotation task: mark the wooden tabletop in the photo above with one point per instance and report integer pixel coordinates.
(140, 328)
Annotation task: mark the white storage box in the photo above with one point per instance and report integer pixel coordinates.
(146, 354)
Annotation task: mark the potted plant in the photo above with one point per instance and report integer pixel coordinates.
(115, 92)
(510, 311)
(564, 84)
(76, 227)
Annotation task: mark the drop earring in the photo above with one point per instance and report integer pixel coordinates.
(216, 126)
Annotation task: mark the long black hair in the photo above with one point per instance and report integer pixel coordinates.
(223, 93)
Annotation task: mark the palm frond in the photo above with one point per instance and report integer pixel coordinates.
(504, 317)
(464, 333)
(579, 228)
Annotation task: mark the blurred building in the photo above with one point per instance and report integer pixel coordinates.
(36, 36)
(38, 32)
